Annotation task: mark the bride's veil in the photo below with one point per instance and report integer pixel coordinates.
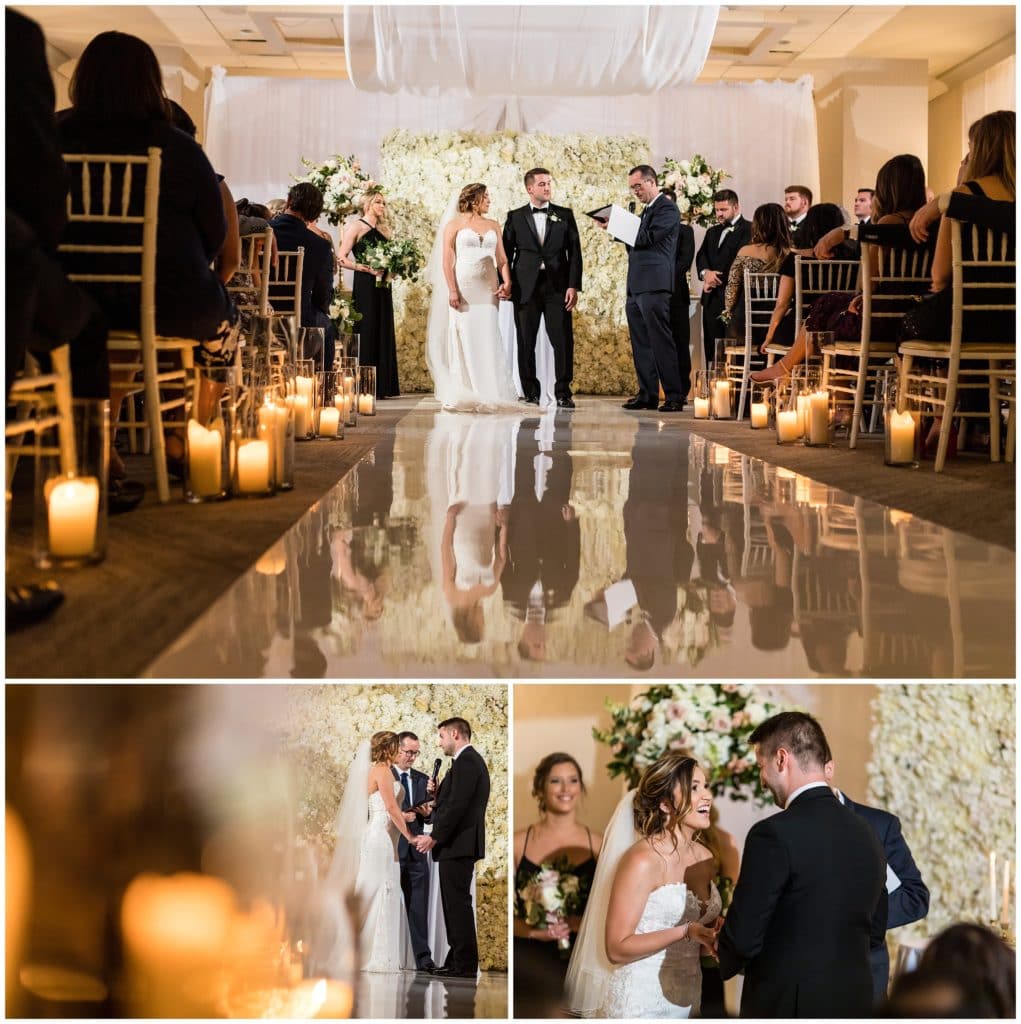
(590, 969)
(437, 347)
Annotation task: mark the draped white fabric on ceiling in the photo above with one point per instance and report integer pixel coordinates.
(763, 133)
(530, 51)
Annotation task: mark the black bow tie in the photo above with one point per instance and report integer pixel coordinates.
(540, 209)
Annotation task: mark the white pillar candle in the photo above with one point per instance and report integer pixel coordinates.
(802, 414)
(205, 460)
(1005, 904)
(329, 421)
(902, 437)
(282, 413)
(302, 410)
(73, 512)
(253, 467)
(819, 417)
(760, 415)
(721, 399)
(303, 386)
(366, 405)
(787, 426)
(701, 408)
(992, 886)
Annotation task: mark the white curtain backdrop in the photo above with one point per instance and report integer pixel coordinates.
(558, 50)
(763, 133)
(994, 89)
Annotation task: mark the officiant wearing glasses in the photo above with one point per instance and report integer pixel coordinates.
(544, 251)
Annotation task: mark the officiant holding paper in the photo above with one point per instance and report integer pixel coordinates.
(650, 283)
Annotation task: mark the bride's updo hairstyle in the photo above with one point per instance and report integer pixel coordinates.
(384, 747)
(656, 788)
(542, 773)
(471, 198)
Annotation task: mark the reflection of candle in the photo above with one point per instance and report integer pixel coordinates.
(760, 415)
(902, 437)
(787, 426)
(1005, 904)
(329, 421)
(253, 467)
(205, 460)
(73, 514)
(819, 417)
(301, 408)
(366, 405)
(701, 408)
(721, 399)
(992, 886)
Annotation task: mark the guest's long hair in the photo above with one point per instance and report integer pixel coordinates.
(656, 789)
(980, 962)
(118, 79)
(900, 186)
(993, 147)
(820, 219)
(770, 227)
(471, 197)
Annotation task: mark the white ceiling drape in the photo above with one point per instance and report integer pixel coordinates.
(496, 50)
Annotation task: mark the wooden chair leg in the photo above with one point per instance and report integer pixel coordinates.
(950, 403)
(62, 388)
(859, 399)
(1011, 431)
(994, 411)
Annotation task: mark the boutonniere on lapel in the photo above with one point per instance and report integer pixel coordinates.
(553, 219)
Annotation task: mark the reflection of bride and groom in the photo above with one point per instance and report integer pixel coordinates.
(392, 824)
(809, 905)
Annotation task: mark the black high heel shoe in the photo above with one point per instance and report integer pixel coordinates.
(31, 603)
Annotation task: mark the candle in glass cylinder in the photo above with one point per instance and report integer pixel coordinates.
(253, 467)
(802, 414)
(73, 512)
(329, 421)
(721, 399)
(902, 437)
(760, 415)
(205, 460)
(302, 409)
(701, 408)
(818, 417)
(366, 405)
(787, 426)
(303, 386)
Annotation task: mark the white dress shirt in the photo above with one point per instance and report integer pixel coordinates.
(802, 789)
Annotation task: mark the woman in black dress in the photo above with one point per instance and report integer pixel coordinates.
(560, 841)
(374, 301)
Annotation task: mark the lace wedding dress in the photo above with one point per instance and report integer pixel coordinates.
(668, 983)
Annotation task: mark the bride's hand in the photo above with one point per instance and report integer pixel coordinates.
(504, 291)
(705, 937)
(455, 299)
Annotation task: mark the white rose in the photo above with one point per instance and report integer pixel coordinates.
(685, 166)
(683, 204)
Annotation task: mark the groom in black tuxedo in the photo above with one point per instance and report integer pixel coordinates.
(544, 251)
(414, 865)
(458, 840)
(811, 899)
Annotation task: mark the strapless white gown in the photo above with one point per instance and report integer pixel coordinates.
(384, 942)
(669, 983)
(472, 372)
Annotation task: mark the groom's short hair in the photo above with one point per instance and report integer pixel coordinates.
(797, 732)
(463, 728)
(402, 736)
(648, 173)
(534, 173)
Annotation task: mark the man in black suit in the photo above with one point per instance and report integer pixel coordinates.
(458, 839)
(811, 899)
(544, 251)
(863, 204)
(715, 255)
(650, 283)
(797, 201)
(304, 205)
(907, 895)
(414, 865)
(680, 324)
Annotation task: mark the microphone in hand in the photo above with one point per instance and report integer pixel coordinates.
(631, 207)
(437, 764)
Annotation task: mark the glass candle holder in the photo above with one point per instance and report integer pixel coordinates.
(330, 416)
(806, 379)
(366, 391)
(901, 426)
(208, 431)
(349, 347)
(761, 407)
(302, 394)
(721, 393)
(348, 381)
(252, 444)
(276, 416)
(819, 417)
(700, 395)
(71, 494)
(786, 417)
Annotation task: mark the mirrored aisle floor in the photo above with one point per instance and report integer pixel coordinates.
(600, 544)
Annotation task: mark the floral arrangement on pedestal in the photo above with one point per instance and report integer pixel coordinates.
(588, 172)
(323, 728)
(342, 183)
(944, 761)
(343, 312)
(709, 721)
(695, 183)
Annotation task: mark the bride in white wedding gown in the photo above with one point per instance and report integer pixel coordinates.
(365, 861)
(465, 351)
(653, 905)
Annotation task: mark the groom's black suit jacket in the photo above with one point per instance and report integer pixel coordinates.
(459, 817)
(810, 901)
(560, 251)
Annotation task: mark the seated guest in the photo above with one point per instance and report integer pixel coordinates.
(900, 191)
(119, 106)
(293, 230)
(797, 202)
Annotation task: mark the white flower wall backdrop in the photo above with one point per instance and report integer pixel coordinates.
(324, 727)
(943, 761)
(422, 171)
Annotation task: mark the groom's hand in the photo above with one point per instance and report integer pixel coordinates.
(424, 844)
(570, 299)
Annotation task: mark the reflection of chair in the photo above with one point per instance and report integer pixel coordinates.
(889, 289)
(838, 527)
(102, 195)
(760, 291)
(989, 254)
